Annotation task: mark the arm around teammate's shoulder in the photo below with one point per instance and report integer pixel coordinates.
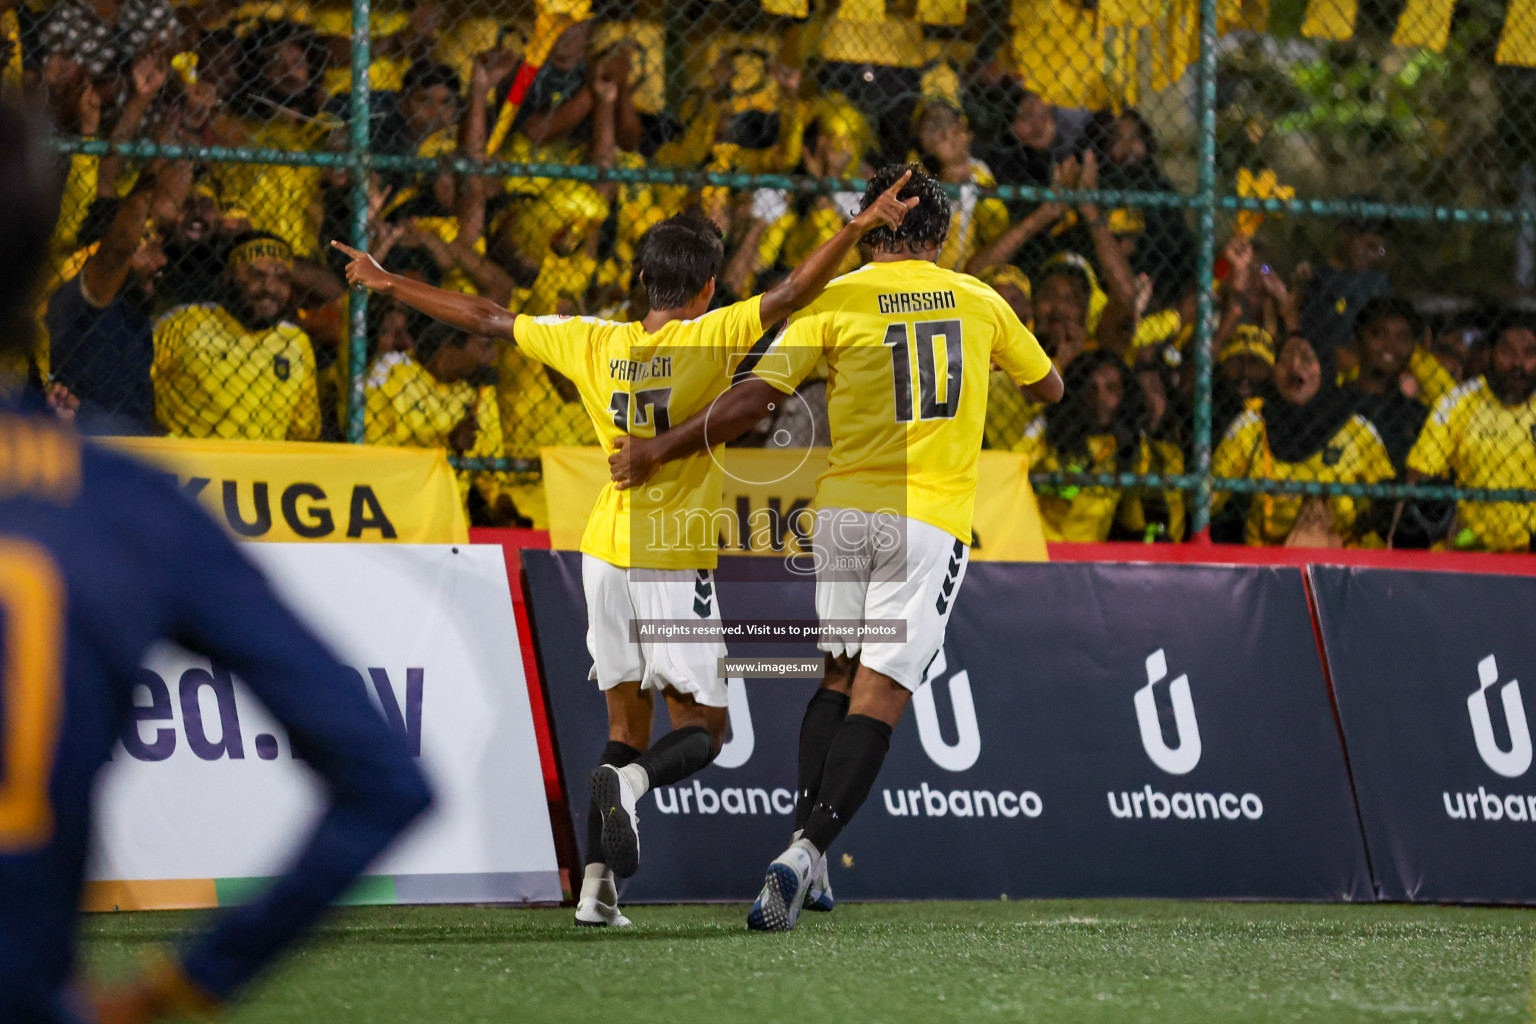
(636, 459)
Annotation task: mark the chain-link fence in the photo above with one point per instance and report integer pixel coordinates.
(1280, 249)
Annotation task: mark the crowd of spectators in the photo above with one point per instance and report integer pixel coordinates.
(201, 300)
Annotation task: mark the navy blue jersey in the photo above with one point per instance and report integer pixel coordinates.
(99, 558)
(103, 355)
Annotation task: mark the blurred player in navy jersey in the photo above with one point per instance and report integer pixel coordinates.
(99, 558)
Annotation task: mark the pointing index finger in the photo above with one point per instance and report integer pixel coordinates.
(901, 181)
(347, 249)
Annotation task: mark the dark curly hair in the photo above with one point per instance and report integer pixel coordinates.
(926, 225)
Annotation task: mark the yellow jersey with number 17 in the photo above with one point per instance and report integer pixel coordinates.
(635, 383)
(909, 348)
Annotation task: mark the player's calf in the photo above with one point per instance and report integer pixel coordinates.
(616, 791)
(853, 762)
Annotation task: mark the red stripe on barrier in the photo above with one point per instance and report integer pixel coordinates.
(512, 541)
(1338, 719)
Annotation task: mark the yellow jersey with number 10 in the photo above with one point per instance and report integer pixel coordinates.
(909, 348)
(641, 384)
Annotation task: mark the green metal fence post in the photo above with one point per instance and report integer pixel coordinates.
(358, 162)
(1206, 318)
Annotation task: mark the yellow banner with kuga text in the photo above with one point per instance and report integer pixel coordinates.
(769, 495)
(300, 491)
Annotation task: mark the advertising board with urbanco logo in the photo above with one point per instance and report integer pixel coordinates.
(1428, 668)
(1085, 731)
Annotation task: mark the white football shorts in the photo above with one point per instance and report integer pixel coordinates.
(617, 596)
(882, 566)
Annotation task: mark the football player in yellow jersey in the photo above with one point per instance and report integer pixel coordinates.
(648, 554)
(909, 346)
(1484, 433)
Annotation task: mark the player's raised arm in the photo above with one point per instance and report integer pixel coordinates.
(807, 280)
(473, 314)
(1018, 353)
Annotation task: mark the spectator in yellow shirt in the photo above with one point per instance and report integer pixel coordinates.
(1453, 343)
(539, 408)
(1484, 434)
(1145, 514)
(1011, 283)
(439, 391)
(1009, 410)
(1109, 317)
(276, 103)
(1061, 299)
(1096, 429)
(1245, 366)
(1305, 429)
(975, 222)
(239, 368)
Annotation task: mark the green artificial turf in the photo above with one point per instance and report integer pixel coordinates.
(1122, 961)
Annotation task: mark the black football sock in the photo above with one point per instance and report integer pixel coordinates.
(823, 715)
(677, 755)
(853, 762)
(617, 754)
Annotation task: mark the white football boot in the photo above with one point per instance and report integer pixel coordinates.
(592, 912)
(818, 891)
(615, 801)
(777, 907)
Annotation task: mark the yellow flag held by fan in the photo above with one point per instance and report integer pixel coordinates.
(546, 30)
